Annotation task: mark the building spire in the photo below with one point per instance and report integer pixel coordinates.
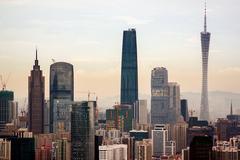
(36, 53)
(205, 17)
(231, 110)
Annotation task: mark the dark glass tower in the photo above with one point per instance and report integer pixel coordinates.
(129, 72)
(5, 98)
(205, 40)
(36, 99)
(82, 131)
(61, 85)
(184, 109)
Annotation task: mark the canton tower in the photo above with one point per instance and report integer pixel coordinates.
(205, 40)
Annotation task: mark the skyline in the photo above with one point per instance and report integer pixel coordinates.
(152, 45)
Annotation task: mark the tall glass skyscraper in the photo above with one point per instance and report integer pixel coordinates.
(5, 98)
(83, 131)
(129, 72)
(36, 99)
(61, 86)
(205, 40)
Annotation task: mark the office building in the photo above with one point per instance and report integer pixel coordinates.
(5, 98)
(113, 152)
(120, 117)
(82, 131)
(139, 135)
(205, 40)
(5, 151)
(184, 109)
(140, 112)
(129, 70)
(159, 139)
(61, 85)
(165, 98)
(46, 117)
(144, 149)
(36, 93)
(180, 135)
(62, 115)
(201, 148)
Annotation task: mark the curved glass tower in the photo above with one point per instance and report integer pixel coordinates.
(129, 72)
(61, 86)
(205, 40)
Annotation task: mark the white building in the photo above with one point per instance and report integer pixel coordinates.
(159, 139)
(113, 152)
(141, 112)
(113, 134)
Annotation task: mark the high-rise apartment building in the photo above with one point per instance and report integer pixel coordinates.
(36, 93)
(129, 71)
(184, 109)
(61, 86)
(205, 40)
(113, 152)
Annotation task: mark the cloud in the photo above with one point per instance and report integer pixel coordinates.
(129, 20)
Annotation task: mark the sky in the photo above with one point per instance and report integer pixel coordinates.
(88, 34)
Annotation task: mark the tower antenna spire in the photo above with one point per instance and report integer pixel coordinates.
(205, 17)
(36, 53)
(231, 110)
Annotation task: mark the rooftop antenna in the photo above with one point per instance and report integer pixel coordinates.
(205, 17)
(231, 109)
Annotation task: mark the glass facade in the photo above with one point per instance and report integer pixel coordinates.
(5, 98)
(61, 85)
(129, 72)
(82, 131)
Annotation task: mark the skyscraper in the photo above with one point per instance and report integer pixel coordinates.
(165, 98)
(82, 131)
(205, 40)
(5, 98)
(129, 73)
(61, 86)
(36, 99)
(184, 109)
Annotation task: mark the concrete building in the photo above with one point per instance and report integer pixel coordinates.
(143, 150)
(159, 139)
(140, 112)
(180, 135)
(113, 152)
(5, 151)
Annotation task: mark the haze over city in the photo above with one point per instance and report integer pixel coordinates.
(88, 34)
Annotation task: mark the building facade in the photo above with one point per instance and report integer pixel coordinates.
(61, 85)
(129, 71)
(5, 98)
(165, 98)
(82, 131)
(36, 92)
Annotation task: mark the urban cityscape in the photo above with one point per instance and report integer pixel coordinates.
(53, 123)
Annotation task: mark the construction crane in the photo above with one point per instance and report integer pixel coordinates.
(4, 81)
(192, 112)
(23, 109)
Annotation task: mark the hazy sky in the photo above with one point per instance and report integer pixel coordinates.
(88, 34)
